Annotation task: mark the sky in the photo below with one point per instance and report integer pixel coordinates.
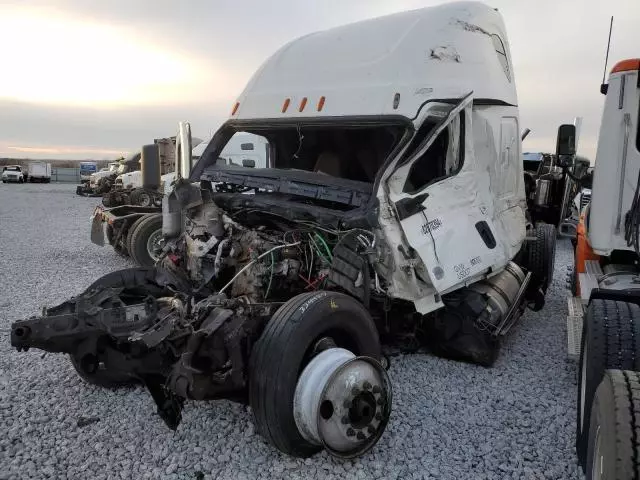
(96, 79)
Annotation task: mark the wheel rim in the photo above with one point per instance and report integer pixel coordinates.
(155, 243)
(144, 199)
(342, 402)
(583, 383)
(597, 462)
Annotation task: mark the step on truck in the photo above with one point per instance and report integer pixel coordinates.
(391, 212)
(603, 324)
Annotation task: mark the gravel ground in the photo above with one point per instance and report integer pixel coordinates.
(450, 420)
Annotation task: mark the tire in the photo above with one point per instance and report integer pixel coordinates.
(132, 228)
(141, 198)
(133, 197)
(542, 256)
(140, 237)
(614, 439)
(610, 340)
(21, 180)
(137, 281)
(284, 348)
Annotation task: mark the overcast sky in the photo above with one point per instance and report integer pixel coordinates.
(95, 79)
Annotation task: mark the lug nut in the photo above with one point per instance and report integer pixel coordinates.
(380, 401)
(366, 386)
(360, 436)
(378, 416)
(377, 389)
(350, 432)
(355, 391)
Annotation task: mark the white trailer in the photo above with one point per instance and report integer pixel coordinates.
(39, 172)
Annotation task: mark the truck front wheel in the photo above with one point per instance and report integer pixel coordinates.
(297, 376)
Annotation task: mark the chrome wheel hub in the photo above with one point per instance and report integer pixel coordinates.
(155, 243)
(342, 402)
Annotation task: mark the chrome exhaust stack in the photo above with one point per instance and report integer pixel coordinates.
(182, 193)
(184, 159)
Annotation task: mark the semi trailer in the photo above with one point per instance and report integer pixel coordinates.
(391, 211)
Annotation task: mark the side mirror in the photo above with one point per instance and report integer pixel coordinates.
(566, 143)
(184, 159)
(249, 163)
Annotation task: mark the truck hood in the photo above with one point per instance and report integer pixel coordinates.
(94, 177)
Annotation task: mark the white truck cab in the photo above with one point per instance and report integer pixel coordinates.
(617, 162)
(12, 173)
(603, 324)
(429, 113)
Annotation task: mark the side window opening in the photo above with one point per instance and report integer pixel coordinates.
(443, 158)
(502, 55)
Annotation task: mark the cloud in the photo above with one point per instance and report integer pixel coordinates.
(67, 60)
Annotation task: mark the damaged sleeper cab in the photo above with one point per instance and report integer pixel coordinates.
(389, 212)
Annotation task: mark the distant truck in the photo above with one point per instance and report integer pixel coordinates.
(39, 172)
(86, 169)
(12, 173)
(102, 182)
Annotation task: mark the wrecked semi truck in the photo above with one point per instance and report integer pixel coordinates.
(392, 211)
(99, 183)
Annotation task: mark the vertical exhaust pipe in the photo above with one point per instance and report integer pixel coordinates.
(526, 132)
(184, 159)
(172, 215)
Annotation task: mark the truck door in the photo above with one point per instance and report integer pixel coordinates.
(442, 199)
